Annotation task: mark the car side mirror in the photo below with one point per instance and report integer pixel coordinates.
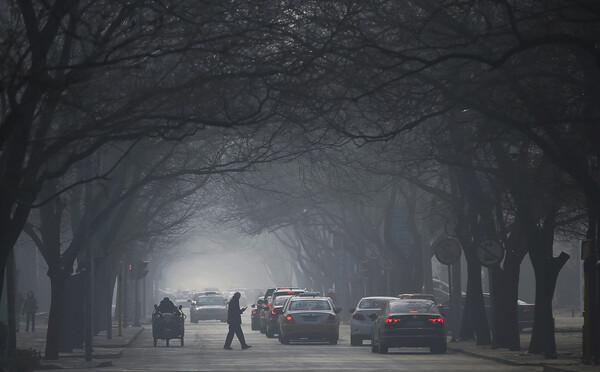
(337, 310)
(351, 310)
(278, 310)
(373, 317)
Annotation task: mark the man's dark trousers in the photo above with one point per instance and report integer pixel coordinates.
(237, 329)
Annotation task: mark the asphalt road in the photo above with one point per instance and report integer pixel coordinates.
(203, 351)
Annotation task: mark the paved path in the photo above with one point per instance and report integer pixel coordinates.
(203, 351)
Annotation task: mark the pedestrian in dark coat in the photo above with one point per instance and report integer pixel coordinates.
(30, 308)
(234, 319)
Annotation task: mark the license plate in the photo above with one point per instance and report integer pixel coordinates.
(310, 318)
(414, 323)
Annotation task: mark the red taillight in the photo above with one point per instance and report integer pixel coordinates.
(393, 320)
(289, 318)
(273, 312)
(331, 318)
(270, 306)
(358, 316)
(436, 320)
(413, 311)
(529, 308)
(253, 312)
(291, 292)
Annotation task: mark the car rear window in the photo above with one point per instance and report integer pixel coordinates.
(372, 303)
(310, 305)
(410, 306)
(279, 301)
(210, 300)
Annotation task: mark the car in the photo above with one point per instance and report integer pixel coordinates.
(409, 323)
(272, 316)
(309, 318)
(416, 296)
(207, 307)
(255, 316)
(360, 323)
(525, 314)
(263, 315)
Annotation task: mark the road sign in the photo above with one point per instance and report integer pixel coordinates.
(385, 263)
(490, 252)
(447, 250)
(371, 251)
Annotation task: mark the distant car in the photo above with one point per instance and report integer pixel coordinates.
(208, 307)
(360, 323)
(416, 296)
(309, 318)
(525, 313)
(409, 323)
(273, 317)
(255, 316)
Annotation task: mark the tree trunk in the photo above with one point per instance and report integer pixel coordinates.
(10, 303)
(546, 270)
(53, 340)
(474, 319)
(504, 304)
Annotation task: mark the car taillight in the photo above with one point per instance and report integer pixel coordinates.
(358, 316)
(393, 320)
(253, 312)
(273, 312)
(331, 318)
(529, 308)
(436, 320)
(289, 318)
(270, 306)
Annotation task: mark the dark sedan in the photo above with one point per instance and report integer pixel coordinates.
(255, 317)
(409, 323)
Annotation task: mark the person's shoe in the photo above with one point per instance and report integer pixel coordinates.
(227, 348)
(246, 347)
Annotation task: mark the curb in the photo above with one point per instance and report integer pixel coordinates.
(492, 358)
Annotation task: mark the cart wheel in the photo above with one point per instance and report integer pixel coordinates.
(154, 342)
(181, 341)
(167, 342)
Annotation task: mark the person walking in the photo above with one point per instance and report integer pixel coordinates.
(30, 307)
(234, 319)
(18, 306)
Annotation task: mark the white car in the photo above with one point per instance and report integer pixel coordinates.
(363, 316)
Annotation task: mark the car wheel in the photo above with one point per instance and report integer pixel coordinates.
(383, 348)
(333, 341)
(270, 333)
(154, 342)
(167, 342)
(438, 348)
(181, 341)
(355, 341)
(374, 348)
(263, 330)
(285, 340)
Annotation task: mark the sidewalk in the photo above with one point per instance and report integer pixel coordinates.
(103, 352)
(568, 347)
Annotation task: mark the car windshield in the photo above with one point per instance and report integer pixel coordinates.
(280, 301)
(310, 305)
(372, 303)
(413, 307)
(209, 300)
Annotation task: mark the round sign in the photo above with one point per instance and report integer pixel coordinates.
(447, 250)
(385, 263)
(490, 252)
(371, 251)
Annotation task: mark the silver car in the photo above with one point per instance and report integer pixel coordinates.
(362, 317)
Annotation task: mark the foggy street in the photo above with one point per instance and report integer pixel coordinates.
(203, 351)
(414, 177)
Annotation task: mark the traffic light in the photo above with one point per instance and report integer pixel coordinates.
(141, 269)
